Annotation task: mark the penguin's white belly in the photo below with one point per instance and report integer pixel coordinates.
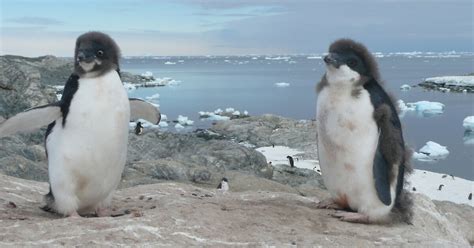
(87, 155)
(347, 141)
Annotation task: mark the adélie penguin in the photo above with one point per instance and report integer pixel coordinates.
(361, 149)
(86, 160)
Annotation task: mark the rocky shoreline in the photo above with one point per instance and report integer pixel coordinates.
(464, 84)
(168, 191)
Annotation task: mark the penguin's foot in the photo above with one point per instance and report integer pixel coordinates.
(101, 212)
(353, 217)
(74, 215)
(328, 204)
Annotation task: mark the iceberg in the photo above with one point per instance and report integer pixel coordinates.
(183, 120)
(129, 86)
(147, 74)
(431, 152)
(170, 63)
(178, 126)
(468, 123)
(282, 84)
(405, 87)
(424, 108)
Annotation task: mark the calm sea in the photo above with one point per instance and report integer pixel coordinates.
(248, 83)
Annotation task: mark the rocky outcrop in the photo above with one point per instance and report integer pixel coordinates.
(175, 214)
(267, 130)
(26, 82)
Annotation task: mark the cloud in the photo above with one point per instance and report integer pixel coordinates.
(34, 20)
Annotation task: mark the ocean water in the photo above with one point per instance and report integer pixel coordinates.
(248, 83)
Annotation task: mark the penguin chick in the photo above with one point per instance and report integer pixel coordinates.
(361, 148)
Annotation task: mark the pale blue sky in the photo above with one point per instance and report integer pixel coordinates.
(228, 27)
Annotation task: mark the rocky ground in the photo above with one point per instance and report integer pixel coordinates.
(167, 195)
(177, 214)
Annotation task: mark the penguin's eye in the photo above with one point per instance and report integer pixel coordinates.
(352, 62)
(100, 53)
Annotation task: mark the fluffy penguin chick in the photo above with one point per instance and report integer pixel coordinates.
(85, 160)
(361, 149)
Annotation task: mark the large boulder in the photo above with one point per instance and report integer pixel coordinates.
(175, 214)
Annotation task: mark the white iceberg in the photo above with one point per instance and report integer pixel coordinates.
(277, 58)
(452, 80)
(153, 97)
(129, 86)
(147, 74)
(431, 152)
(218, 111)
(282, 84)
(170, 63)
(214, 117)
(229, 110)
(246, 112)
(163, 124)
(236, 113)
(468, 123)
(178, 126)
(183, 120)
(164, 117)
(425, 108)
(405, 87)
(314, 57)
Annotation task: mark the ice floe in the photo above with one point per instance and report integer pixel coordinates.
(431, 152)
(170, 63)
(153, 97)
(468, 123)
(129, 86)
(314, 57)
(185, 121)
(223, 115)
(424, 108)
(282, 84)
(147, 74)
(405, 87)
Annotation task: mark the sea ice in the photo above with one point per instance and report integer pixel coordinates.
(147, 74)
(153, 97)
(282, 84)
(431, 152)
(183, 120)
(405, 87)
(170, 63)
(468, 123)
(178, 126)
(424, 108)
(237, 113)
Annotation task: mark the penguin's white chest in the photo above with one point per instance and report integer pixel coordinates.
(87, 155)
(347, 141)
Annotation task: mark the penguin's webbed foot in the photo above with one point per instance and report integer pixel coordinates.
(353, 217)
(328, 204)
(74, 215)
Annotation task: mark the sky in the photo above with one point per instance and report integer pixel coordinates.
(236, 27)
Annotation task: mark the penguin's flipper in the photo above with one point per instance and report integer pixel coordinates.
(389, 161)
(140, 109)
(30, 119)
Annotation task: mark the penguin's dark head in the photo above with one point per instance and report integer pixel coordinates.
(225, 179)
(95, 54)
(348, 58)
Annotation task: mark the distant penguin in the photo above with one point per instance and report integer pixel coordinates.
(86, 160)
(470, 196)
(223, 185)
(292, 162)
(440, 186)
(361, 148)
(138, 128)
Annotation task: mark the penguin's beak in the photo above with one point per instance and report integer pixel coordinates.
(333, 59)
(85, 56)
